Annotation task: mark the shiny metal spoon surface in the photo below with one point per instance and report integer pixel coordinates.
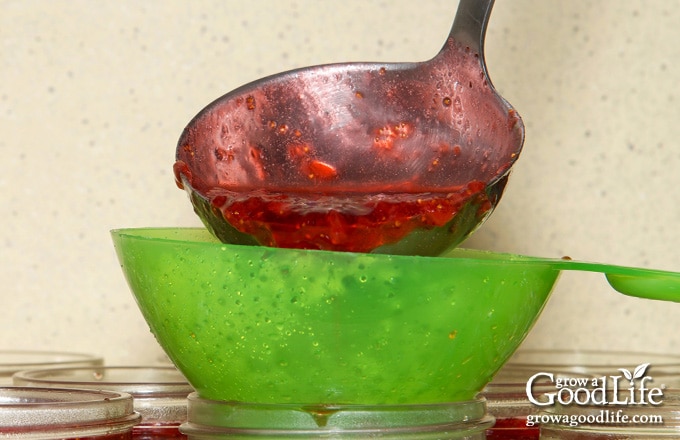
(404, 158)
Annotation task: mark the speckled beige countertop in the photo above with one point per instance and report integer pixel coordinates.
(93, 96)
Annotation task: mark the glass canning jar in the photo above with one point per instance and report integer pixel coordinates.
(507, 400)
(614, 421)
(65, 414)
(159, 392)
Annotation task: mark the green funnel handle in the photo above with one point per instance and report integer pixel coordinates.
(649, 284)
(632, 281)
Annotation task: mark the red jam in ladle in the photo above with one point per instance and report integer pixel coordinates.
(400, 158)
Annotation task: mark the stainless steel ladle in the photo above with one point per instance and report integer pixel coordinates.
(405, 158)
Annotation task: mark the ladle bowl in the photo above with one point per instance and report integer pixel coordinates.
(399, 158)
(273, 325)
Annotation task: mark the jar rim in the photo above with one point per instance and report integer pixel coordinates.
(27, 409)
(225, 417)
(584, 360)
(139, 381)
(12, 361)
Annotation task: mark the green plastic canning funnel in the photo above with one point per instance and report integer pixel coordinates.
(271, 325)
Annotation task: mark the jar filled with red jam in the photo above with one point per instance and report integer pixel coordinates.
(216, 420)
(12, 361)
(616, 419)
(509, 402)
(159, 393)
(65, 414)
(509, 405)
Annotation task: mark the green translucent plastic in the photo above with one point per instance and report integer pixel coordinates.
(266, 325)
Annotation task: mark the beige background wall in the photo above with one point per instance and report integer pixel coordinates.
(94, 94)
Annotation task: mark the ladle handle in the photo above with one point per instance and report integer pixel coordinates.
(469, 26)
